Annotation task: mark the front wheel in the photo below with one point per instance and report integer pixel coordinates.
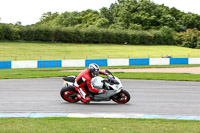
(122, 97)
(69, 94)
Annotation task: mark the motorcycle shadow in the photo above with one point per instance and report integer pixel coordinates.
(96, 103)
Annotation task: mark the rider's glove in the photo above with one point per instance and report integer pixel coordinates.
(102, 91)
(107, 74)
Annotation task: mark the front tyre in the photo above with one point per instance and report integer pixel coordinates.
(122, 97)
(69, 94)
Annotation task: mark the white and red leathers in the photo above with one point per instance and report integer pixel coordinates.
(84, 80)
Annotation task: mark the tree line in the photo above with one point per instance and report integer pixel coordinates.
(125, 14)
(125, 21)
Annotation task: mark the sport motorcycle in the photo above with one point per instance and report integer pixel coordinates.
(111, 84)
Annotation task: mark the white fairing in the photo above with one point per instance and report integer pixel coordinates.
(97, 81)
(68, 83)
(116, 87)
(120, 84)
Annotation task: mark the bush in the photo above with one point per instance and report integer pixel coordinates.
(189, 44)
(191, 38)
(135, 27)
(158, 37)
(198, 43)
(141, 37)
(167, 36)
(9, 32)
(91, 35)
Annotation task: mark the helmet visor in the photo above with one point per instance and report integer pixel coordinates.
(96, 73)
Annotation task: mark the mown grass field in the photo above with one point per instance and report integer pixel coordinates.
(98, 125)
(59, 51)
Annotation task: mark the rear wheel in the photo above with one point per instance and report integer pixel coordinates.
(69, 94)
(122, 97)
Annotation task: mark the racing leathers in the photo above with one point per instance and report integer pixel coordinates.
(84, 80)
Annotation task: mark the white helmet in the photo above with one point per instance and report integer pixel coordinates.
(94, 69)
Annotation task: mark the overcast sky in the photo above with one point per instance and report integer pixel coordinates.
(30, 11)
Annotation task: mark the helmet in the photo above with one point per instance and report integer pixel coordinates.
(94, 69)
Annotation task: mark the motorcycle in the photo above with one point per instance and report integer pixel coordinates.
(111, 84)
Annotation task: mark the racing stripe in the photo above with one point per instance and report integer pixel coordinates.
(82, 93)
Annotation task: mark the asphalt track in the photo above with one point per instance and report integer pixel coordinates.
(149, 97)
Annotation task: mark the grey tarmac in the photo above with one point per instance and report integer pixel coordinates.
(42, 95)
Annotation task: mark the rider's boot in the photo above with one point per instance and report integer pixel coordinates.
(86, 100)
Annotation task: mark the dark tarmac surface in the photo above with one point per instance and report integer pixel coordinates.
(42, 95)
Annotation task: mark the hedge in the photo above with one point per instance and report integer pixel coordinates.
(9, 32)
(164, 36)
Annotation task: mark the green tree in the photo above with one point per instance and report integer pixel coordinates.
(108, 13)
(47, 17)
(191, 38)
(18, 23)
(135, 27)
(102, 23)
(125, 14)
(88, 17)
(168, 20)
(68, 19)
(167, 35)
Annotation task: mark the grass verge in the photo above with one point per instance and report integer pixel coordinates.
(102, 125)
(58, 72)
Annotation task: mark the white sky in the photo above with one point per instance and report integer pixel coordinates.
(30, 11)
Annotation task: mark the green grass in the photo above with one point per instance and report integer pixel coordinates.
(160, 76)
(98, 125)
(59, 51)
(59, 72)
(51, 51)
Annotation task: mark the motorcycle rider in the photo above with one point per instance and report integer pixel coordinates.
(83, 81)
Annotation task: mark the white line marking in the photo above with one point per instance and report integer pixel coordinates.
(97, 115)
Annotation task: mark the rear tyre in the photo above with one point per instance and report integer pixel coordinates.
(69, 94)
(122, 97)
